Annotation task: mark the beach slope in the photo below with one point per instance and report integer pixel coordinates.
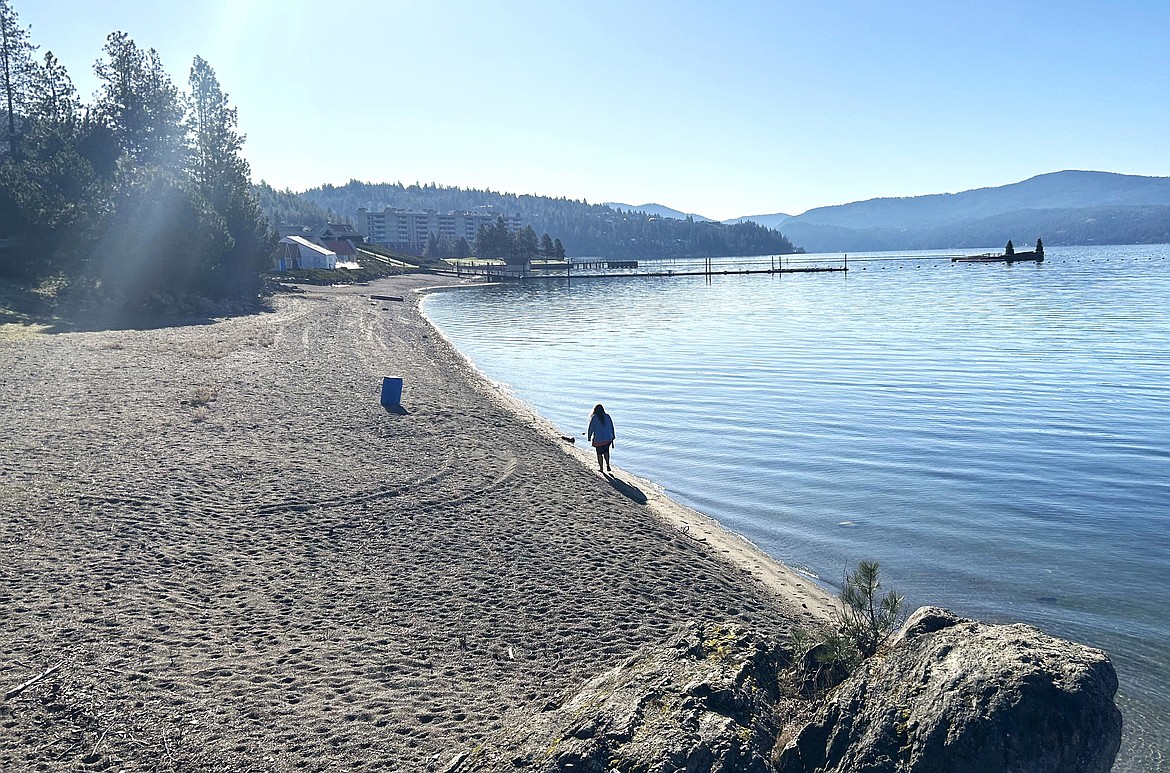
(237, 559)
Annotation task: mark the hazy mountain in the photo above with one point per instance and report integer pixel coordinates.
(1070, 207)
(768, 221)
(1057, 190)
(657, 210)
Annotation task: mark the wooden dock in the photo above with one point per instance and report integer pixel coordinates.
(630, 269)
(713, 272)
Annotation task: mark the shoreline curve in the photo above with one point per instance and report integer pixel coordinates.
(232, 553)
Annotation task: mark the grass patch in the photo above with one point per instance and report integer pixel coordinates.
(202, 397)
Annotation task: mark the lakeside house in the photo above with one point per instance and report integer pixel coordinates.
(293, 252)
(339, 238)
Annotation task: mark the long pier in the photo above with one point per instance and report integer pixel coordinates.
(629, 269)
(713, 272)
(602, 268)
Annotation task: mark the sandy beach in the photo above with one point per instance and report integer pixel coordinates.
(238, 560)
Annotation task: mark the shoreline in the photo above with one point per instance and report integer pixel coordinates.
(237, 557)
(736, 548)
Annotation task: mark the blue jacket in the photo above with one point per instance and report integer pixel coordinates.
(602, 431)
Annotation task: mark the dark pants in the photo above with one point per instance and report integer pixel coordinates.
(603, 453)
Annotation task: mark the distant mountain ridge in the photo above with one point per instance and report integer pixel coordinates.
(1069, 207)
(658, 210)
(1056, 190)
(768, 221)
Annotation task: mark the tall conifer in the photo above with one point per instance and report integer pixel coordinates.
(220, 172)
(15, 66)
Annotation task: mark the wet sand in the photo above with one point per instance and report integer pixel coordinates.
(240, 561)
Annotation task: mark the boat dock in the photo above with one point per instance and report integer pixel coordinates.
(595, 268)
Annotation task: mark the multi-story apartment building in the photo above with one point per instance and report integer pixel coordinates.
(407, 230)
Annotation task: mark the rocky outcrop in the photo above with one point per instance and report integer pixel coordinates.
(704, 703)
(950, 695)
(945, 695)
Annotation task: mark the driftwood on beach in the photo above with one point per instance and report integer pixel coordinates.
(27, 684)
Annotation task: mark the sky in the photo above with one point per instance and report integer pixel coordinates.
(720, 109)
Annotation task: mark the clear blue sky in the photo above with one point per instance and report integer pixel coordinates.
(723, 109)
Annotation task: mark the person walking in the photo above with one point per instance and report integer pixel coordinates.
(602, 434)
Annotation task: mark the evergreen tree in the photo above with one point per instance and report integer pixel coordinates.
(164, 237)
(222, 176)
(546, 246)
(495, 241)
(462, 248)
(51, 195)
(52, 97)
(216, 164)
(505, 246)
(526, 244)
(432, 248)
(482, 239)
(558, 250)
(15, 67)
(156, 198)
(141, 104)
(1010, 249)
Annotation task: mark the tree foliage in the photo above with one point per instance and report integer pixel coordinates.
(140, 103)
(498, 241)
(861, 625)
(145, 192)
(16, 64)
(288, 208)
(222, 176)
(866, 618)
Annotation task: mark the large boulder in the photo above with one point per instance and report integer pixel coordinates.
(950, 695)
(704, 703)
(946, 695)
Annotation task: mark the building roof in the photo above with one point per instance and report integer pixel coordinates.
(342, 247)
(302, 241)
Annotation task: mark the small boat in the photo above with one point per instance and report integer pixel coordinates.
(1009, 255)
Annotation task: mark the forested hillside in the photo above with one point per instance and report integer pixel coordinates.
(289, 208)
(585, 229)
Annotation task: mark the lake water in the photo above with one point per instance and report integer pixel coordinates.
(996, 436)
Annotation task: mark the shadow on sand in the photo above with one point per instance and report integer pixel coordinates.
(628, 490)
(22, 304)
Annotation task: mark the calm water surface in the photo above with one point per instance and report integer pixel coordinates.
(998, 437)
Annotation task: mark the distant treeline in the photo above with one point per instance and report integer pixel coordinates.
(288, 208)
(141, 194)
(583, 228)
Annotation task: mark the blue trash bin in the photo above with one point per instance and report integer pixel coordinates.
(391, 391)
